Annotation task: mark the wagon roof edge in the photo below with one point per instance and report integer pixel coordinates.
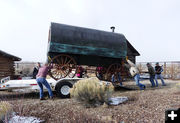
(54, 23)
(132, 48)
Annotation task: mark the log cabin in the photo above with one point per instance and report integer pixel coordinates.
(7, 64)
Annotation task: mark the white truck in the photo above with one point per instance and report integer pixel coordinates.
(61, 87)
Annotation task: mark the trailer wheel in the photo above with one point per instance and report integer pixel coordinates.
(63, 89)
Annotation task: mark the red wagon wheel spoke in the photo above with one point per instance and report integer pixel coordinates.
(65, 60)
(62, 59)
(69, 61)
(57, 75)
(64, 72)
(63, 66)
(72, 70)
(58, 61)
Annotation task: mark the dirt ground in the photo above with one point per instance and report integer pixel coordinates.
(146, 106)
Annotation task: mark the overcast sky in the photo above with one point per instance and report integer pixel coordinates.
(151, 26)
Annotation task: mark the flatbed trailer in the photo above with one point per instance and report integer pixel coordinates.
(61, 86)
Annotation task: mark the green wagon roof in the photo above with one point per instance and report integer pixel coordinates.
(84, 41)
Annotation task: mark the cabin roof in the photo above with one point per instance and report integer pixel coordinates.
(5, 54)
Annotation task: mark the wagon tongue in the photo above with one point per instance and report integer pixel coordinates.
(118, 87)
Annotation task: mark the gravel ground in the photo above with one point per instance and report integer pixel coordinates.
(143, 106)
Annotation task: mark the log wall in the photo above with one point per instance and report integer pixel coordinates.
(6, 67)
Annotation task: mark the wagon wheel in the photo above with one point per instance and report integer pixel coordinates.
(113, 69)
(63, 66)
(101, 76)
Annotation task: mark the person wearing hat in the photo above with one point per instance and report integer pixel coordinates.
(151, 74)
(158, 70)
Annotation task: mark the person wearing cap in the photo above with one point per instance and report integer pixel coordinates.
(151, 74)
(41, 80)
(135, 74)
(158, 70)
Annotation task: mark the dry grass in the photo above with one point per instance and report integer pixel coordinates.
(143, 107)
(5, 110)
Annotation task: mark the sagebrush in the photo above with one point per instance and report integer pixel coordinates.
(5, 110)
(92, 91)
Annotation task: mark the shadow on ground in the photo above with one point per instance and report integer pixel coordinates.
(18, 95)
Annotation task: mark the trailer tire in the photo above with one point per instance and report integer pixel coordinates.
(63, 89)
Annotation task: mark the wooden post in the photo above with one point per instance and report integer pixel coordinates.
(140, 67)
(172, 71)
(165, 69)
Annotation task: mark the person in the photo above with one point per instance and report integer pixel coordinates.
(41, 80)
(116, 77)
(151, 74)
(99, 72)
(36, 69)
(85, 74)
(79, 72)
(158, 71)
(135, 74)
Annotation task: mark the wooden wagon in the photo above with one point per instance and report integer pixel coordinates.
(70, 46)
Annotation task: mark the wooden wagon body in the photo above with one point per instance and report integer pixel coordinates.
(70, 46)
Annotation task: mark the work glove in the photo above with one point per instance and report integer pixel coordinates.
(126, 58)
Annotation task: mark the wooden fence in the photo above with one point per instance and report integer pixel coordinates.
(171, 70)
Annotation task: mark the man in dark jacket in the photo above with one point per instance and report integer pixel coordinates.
(151, 74)
(36, 69)
(158, 70)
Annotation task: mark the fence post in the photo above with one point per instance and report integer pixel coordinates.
(140, 67)
(165, 69)
(172, 71)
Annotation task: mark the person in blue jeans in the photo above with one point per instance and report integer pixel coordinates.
(151, 74)
(135, 74)
(159, 70)
(137, 80)
(41, 80)
(116, 77)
